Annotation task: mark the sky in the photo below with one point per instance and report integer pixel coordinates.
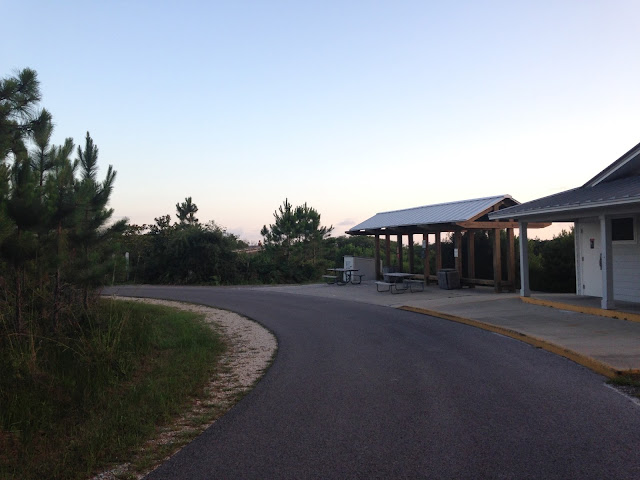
(353, 107)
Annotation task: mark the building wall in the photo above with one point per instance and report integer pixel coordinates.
(626, 269)
(626, 262)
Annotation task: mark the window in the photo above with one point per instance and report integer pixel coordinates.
(622, 229)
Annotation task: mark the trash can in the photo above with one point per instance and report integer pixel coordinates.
(448, 279)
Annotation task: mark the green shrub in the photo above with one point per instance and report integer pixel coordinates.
(71, 402)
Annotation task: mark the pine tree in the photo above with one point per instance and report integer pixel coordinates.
(20, 203)
(90, 233)
(186, 212)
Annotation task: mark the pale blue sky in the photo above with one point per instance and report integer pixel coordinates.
(354, 107)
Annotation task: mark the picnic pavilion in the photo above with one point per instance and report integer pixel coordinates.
(468, 216)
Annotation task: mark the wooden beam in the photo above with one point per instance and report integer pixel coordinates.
(497, 224)
(524, 260)
(411, 253)
(497, 263)
(377, 256)
(511, 260)
(457, 245)
(471, 254)
(387, 250)
(399, 251)
(438, 253)
(425, 238)
(479, 281)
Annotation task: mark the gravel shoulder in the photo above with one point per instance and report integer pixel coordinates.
(250, 351)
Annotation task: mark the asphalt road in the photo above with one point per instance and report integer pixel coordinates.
(363, 391)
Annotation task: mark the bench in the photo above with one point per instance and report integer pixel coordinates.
(386, 284)
(390, 287)
(353, 276)
(330, 279)
(412, 282)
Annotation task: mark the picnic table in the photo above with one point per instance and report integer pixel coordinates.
(400, 282)
(342, 276)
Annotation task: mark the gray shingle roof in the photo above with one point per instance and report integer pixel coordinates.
(617, 192)
(430, 214)
(628, 165)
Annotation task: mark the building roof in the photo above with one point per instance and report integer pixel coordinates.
(628, 165)
(439, 214)
(568, 205)
(616, 187)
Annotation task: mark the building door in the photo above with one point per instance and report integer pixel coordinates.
(591, 259)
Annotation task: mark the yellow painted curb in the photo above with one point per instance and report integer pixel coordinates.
(588, 362)
(632, 317)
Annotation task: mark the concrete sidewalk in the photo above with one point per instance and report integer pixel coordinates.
(567, 325)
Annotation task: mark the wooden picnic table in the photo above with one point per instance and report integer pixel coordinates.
(344, 275)
(396, 278)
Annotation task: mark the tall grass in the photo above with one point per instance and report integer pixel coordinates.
(79, 399)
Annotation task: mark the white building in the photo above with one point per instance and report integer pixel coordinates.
(605, 212)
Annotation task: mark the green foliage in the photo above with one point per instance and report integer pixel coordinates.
(551, 263)
(186, 212)
(74, 377)
(183, 253)
(556, 264)
(294, 243)
(55, 247)
(357, 246)
(19, 96)
(101, 389)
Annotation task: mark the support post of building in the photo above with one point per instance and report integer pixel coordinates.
(524, 260)
(426, 269)
(387, 250)
(607, 302)
(377, 256)
(471, 256)
(438, 252)
(511, 260)
(410, 242)
(457, 245)
(497, 261)
(399, 252)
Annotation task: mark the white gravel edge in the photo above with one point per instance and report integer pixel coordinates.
(250, 350)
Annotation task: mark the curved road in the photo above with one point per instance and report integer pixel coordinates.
(363, 391)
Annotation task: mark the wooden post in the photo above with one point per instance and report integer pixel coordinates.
(524, 260)
(438, 253)
(497, 262)
(377, 256)
(471, 256)
(399, 246)
(457, 245)
(411, 253)
(387, 250)
(425, 238)
(511, 260)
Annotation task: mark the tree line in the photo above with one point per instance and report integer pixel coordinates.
(297, 248)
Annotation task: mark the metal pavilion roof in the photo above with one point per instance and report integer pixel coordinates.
(442, 213)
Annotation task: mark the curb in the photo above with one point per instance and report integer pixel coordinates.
(588, 362)
(632, 317)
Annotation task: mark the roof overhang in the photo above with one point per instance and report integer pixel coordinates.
(570, 214)
(627, 165)
(614, 197)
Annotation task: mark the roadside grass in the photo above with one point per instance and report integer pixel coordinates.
(76, 402)
(628, 383)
